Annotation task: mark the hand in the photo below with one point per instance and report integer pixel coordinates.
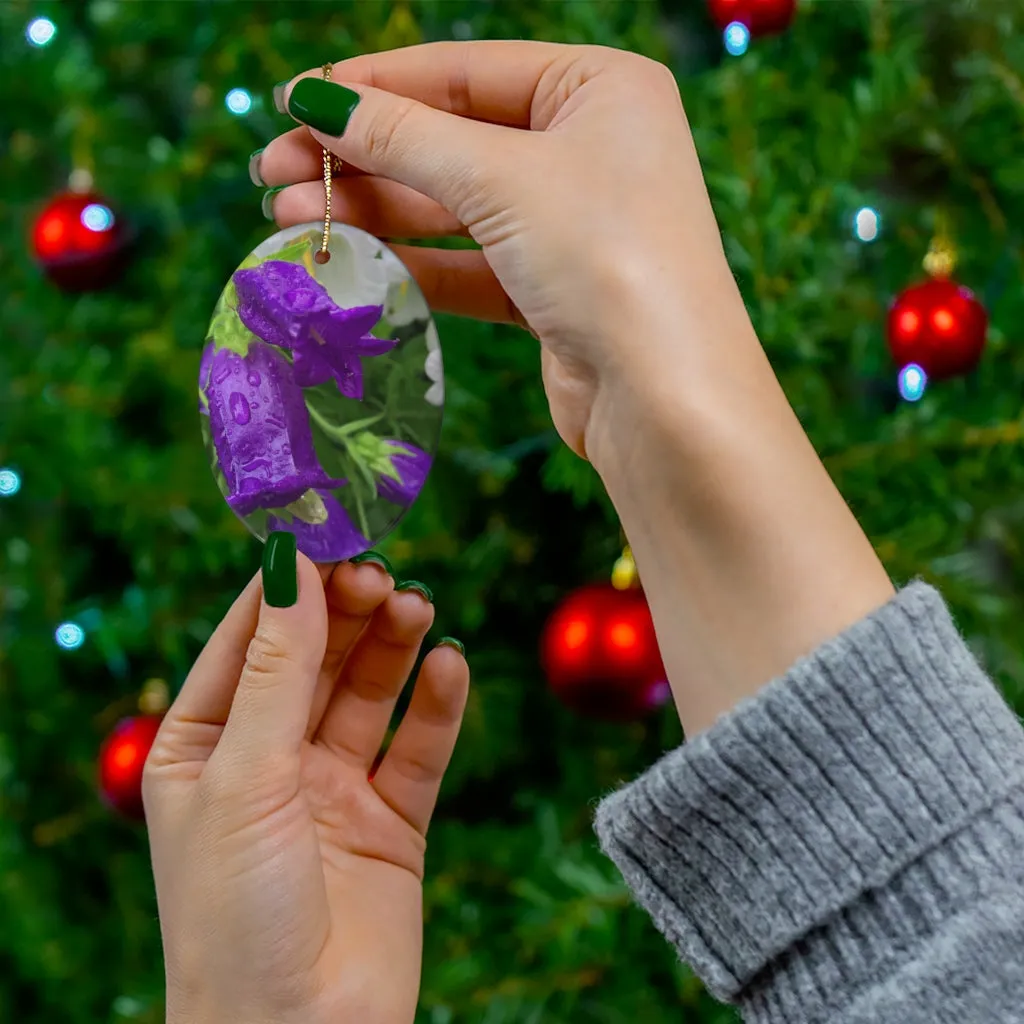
(575, 170)
(288, 883)
(572, 166)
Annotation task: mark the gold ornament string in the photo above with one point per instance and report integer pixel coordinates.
(332, 166)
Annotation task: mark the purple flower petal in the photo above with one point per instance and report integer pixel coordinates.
(286, 306)
(332, 541)
(261, 432)
(412, 466)
(205, 364)
(276, 299)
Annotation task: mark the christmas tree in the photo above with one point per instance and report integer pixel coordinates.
(838, 153)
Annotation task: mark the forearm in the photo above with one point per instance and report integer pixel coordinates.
(749, 556)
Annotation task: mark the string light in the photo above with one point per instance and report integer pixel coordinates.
(737, 38)
(70, 636)
(10, 483)
(40, 31)
(97, 217)
(912, 382)
(238, 101)
(867, 224)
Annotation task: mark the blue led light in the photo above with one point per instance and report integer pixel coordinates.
(912, 382)
(737, 38)
(70, 636)
(10, 483)
(867, 224)
(97, 217)
(40, 31)
(238, 101)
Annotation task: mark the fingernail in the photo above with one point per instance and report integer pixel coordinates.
(450, 641)
(420, 588)
(376, 558)
(322, 105)
(280, 576)
(254, 169)
(279, 97)
(267, 203)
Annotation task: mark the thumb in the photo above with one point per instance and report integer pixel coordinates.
(271, 706)
(449, 158)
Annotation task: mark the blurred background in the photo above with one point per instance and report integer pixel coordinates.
(854, 151)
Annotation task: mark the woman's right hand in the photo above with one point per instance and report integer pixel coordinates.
(572, 166)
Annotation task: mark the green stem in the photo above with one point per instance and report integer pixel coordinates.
(339, 434)
(364, 526)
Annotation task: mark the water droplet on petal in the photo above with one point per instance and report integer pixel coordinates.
(239, 408)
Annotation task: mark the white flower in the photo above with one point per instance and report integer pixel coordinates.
(364, 272)
(352, 276)
(435, 372)
(404, 302)
(433, 341)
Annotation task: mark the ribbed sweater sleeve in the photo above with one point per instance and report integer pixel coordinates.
(848, 845)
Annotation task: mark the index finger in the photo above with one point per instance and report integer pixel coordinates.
(486, 80)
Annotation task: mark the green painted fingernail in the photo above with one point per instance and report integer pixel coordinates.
(420, 588)
(280, 576)
(267, 203)
(279, 97)
(254, 169)
(376, 558)
(450, 641)
(322, 105)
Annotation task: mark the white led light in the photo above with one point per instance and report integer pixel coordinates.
(40, 31)
(238, 101)
(867, 224)
(737, 38)
(97, 217)
(912, 382)
(69, 635)
(10, 483)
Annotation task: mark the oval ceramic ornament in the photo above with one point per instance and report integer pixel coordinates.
(321, 390)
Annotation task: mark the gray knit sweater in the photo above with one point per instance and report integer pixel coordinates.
(847, 846)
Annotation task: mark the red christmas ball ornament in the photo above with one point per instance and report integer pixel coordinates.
(761, 17)
(80, 242)
(601, 656)
(122, 758)
(938, 325)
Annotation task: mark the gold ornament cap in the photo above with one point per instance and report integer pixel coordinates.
(155, 698)
(940, 262)
(624, 574)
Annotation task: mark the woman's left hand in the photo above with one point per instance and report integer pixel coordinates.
(288, 880)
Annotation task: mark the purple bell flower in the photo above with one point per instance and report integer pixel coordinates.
(331, 541)
(261, 432)
(412, 465)
(283, 304)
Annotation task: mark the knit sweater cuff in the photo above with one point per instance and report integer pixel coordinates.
(832, 812)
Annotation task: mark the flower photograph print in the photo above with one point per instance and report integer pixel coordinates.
(321, 391)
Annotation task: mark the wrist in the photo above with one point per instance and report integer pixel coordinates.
(749, 556)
